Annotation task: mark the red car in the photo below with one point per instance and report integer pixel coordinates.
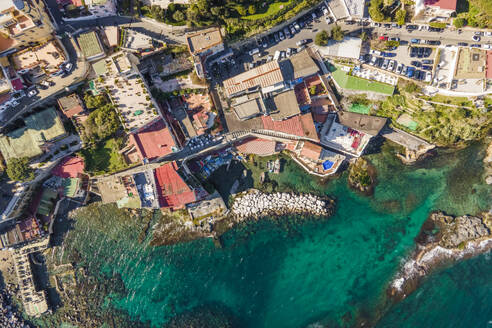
(384, 38)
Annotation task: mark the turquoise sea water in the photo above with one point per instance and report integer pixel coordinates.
(291, 272)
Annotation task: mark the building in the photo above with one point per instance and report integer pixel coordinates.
(267, 77)
(23, 23)
(438, 8)
(48, 57)
(121, 190)
(111, 36)
(136, 42)
(257, 146)
(35, 137)
(90, 45)
(210, 208)
(70, 105)
(152, 142)
(203, 44)
(248, 105)
(352, 133)
(315, 159)
(349, 47)
(282, 105)
(173, 191)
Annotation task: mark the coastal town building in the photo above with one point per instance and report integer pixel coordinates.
(257, 146)
(90, 45)
(173, 192)
(435, 9)
(23, 23)
(352, 133)
(208, 209)
(150, 143)
(48, 57)
(38, 134)
(202, 45)
(70, 105)
(349, 47)
(316, 159)
(121, 190)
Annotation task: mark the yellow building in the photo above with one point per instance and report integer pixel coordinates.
(23, 23)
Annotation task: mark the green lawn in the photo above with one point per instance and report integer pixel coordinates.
(346, 81)
(460, 101)
(359, 108)
(272, 9)
(104, 158)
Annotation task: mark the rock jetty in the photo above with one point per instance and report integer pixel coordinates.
(254, 204)
(442, 239)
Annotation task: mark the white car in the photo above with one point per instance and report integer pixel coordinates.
(488, 33)
(32, 92)
(428, 77)
(68, 67)
(391, 65)
(486, 46)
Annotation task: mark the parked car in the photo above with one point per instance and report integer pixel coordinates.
(293, 30)
(264, 42)
(420, 52)
(463, 44)
(301, 48)
(415, 41)
(375, 52)
(416, 76)
(392, 65)
(254, 51)
(387, 25)
(404, 70)
(486, 46)
(410, 71)
(328, 19)
(415, 63)
(433, 42)
(297, 27)
(394, 38)
(277, 39)
(289, 52)
(413, 52)
(479, 33)
(287, 32)
(301, 42)
(475, 46)
(488, 33)
(427, 67)
(383, 38)
(385, 64)
(399, 68)
(412, 27)
(380, 62)
(281, 35)
(476, 38)
(68, 67)
(427, 52)
(375, 24)
(350, 22)
(428, 77)
(269, 58)
(32, 91)
(374, 60)
(428, 61)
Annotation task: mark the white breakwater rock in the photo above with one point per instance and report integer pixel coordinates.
(254, 204)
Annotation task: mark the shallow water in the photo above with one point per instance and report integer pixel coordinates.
(290, 273)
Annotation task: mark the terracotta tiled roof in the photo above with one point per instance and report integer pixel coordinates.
(264, 75)
(69, 167)
(257, 146)
(443, 4)
(154, 141)
(308, 127)
(172, 189)
(311, 151)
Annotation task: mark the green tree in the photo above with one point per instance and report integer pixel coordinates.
(459, 22)
(400, 16)
(411, 87)
(241, 10)
(178, 16)
(216, 11)
(94, 101)
(363, 36)
(437, 24)
(321, 38)
(18, 169)
(375, 10)
(337, 33)
(251, 9)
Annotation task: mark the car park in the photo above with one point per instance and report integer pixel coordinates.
(427, 68)
(476, 38)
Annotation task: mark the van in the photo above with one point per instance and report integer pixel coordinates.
(276, 56)
(254, 51)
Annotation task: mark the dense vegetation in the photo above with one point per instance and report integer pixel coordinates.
(239, 17)
(475, 13)
(18, 169)
(104, 157)
(103, 121)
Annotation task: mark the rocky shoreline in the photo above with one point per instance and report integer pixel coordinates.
(362, 176)
(254, 204)
(442, 239)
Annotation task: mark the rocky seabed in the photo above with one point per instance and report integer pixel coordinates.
(9, 317)
(418, 266)
(255, 204)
